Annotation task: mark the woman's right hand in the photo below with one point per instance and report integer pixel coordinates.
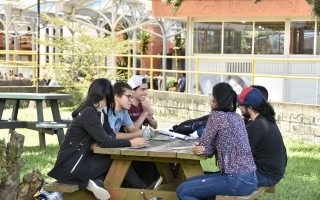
(139, 142)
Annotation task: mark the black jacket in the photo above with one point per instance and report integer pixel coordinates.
(267, 146)
(76, 163)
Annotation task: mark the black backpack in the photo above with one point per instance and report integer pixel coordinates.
(191, 125)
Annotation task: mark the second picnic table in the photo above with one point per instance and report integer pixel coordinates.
(39, 125)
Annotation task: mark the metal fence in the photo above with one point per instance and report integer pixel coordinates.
(288, 80)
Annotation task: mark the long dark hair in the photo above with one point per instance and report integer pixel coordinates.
(225, 96)
(99, 89)
(266, 110)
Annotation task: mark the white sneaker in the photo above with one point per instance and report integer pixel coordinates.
(99, 192)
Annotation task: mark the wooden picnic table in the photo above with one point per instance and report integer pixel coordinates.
(162, 153)
(39, 125)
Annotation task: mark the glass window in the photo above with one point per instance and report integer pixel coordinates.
(238, 37)
(207, 37)
(269, 37)
(301, 37)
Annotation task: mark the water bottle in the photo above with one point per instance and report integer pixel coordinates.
(146, 132)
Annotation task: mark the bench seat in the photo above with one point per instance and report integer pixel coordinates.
(51, 125)
(70, 191)
(254, 195)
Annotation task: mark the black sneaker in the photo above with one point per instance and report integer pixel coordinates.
(96, 187)
(155, 184)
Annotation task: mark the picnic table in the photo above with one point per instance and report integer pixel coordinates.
(162, 153)
(53, 127)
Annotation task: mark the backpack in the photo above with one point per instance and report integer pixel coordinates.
(191, 125)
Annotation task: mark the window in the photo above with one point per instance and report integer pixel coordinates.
(269, 38)
(302, 37)
(207, 37)
(238, 37)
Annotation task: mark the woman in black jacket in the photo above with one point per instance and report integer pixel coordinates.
(76, 163)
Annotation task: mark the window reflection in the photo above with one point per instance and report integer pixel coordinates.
(207, 37)
(269, 38)
(302, 37)
(238, 37)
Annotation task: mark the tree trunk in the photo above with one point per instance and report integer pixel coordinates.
(10, 167)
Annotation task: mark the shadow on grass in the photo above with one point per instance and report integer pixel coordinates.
(36, 159)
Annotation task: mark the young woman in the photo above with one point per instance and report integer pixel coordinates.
(225, 136)
(76, 163)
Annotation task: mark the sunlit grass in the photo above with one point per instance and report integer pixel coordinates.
(302, 179)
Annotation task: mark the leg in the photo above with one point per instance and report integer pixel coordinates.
(133, 179)
(264, 181)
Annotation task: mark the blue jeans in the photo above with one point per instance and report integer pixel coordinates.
(210, 185)
(264, 181)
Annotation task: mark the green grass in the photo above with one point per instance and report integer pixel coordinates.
(302, 180)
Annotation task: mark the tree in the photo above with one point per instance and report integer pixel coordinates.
(83, 51)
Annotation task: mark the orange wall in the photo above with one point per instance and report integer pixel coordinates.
(233, 8)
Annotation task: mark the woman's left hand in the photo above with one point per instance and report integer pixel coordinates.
(94, 145)
(198, 150)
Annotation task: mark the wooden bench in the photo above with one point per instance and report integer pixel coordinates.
(70, 191)
(254, 195)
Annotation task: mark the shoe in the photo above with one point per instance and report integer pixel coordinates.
(96, 187)
(155, 184)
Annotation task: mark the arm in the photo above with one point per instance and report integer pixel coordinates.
(129, 135)
(152, 122)
(209, 135)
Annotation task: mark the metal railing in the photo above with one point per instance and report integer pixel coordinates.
(286, 72)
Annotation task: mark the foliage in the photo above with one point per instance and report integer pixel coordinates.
(145, 40)
(82, 51)
(315, 6)
(174, 3)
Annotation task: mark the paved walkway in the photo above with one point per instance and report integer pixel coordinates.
(165, 124)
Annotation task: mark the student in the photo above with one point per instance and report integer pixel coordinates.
(225, 137)
(265, 94)
(265, 139)
(141, 111)
(182, 82)
(120, 117)
(76, 163)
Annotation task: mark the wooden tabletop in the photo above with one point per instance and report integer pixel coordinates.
(157, 149)
(34, 96)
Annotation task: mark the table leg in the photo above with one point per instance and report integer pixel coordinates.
(117, 173)
(42, 139)
(57, 118)
(191, 170)
(15, 109)
(165, 172)
(2, 104)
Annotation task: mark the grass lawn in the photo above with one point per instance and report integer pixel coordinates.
(302, 180)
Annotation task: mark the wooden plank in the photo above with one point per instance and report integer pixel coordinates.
(271, 189)
(53, 125)
(60, 187)
(13, 124)
(117, 173)
(80, 194)
(33, 96)
(165, 171)
(191, 170)
(110, 151)
(140, 194)
(254, 195)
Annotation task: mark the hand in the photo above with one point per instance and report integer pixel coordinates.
(94, 145)
(198, 150)
(146, 106)
(139, 142)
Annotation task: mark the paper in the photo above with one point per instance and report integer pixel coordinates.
(173, 134)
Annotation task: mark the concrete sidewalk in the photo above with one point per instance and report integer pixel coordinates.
(165, 124)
